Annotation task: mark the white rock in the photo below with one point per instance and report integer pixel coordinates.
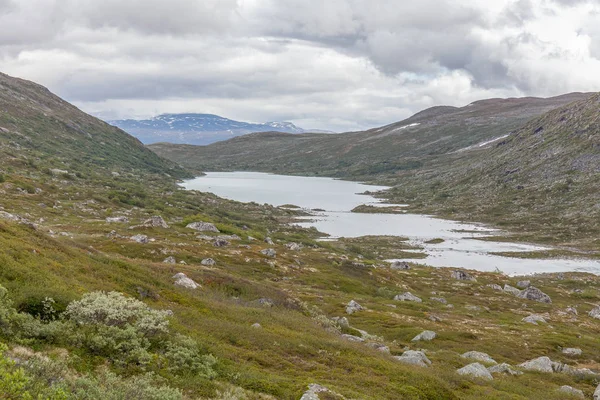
(533, 293)
(479, 356)
(117, 219)
(407, 296)
(399, 265)
(572, 391)
(595, 312)
(503, 368)
(202, 227)
(140, 238)
(182, 280)
(511, 290)
(534, 319)
(170, 260)
(571, 351)
(269, 252)
(208, 261)
(353, 307)
(543, 364)
(475, 370)
(425, 335)
(414, 357)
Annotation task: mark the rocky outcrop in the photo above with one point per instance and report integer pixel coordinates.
(269, 241)
(407, 296)
(511, 290)
(571, 391)
(597, 393)
(202, 227)
(182, 280)
(208, 262)
(523, 284)
(414, 357)
(121, 219)
(475, 370)
(140, 239)
(425, 335)
(479, 356)
(170, 260)
(595, 312)
(268, 252)
(353, 307)
(535, 294)
(293, 246)
(504, 368)
(221, 243)
(313, 393)
(572, 351)
(156, 222)
(462, 276)
(543, 364)
(400, 265)
(534, 319)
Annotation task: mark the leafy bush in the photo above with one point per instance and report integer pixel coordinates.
(183, 355)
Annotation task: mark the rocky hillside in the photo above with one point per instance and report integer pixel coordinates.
(39, 128)
(197, 129)
(406, 145)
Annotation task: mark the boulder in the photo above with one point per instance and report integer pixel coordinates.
(535, 294)
(479, 356)
(572, 351)
(341, 321)
(266, 302)
(495, 286)
(475, 370)
(523, 284)
(208, 261)
(595, 312)
(462, 275)
(414, 357)
(256, 325)
(352, 338)
(269, 241)
(407, 296)
(597, 393)
(156, 222)
(399, 265)
(534, 319)
(571, 391)
(221, 243)
(293, 246)
(425, 335)
(269, 252)
(503, 368)
(511, 290)
(140, 238)
(353, 307)
(182, 280)
(543, 364)
(571, 311)
(170, 260)
(117, 219)
(313, 393)
(439, 300)
(379, 347)
(202, 227)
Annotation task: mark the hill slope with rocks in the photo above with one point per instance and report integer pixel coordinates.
(198, 129)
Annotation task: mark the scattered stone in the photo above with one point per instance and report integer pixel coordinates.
(595, 313)
(597, 393)
(156, 222)
(208, 261)
(56, 171)
(462, 276)
(543, 364)
(414, 357)
(534, 319)
(140, 238)
(313, 393)
(479, 356)
(511, 290)
(504, 368)
(170, 260)
(400, 265)
(182, 280)
(434, 318)
(407, 296)
(523, 284)
(572, 351)
(202, 227)
(352, 338)
(269, 252)
(572, 391)
(256, 325)
(293, 246)
(353, 307)
(264, 301)
(571, 310)
(268, 240)
(117, 219)
(425, 335)
(221, 243)
(495, 286)
(341, 321)
(228, 237)
(379, 347)
(533, 293)
(475, 370)
(439, 300)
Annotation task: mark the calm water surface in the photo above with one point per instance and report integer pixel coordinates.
(459, 249)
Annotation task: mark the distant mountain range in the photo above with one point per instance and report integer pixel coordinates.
(199, 128)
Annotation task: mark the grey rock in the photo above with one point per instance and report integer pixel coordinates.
(379, 347)
(293, 246)
(352, 338)
(414, 357)
(571, 310)
(504, 368)
(221, 243)
(595, 312)
(269, 252)
(511, 290)
(341, 321)
(208, 261)
(170, 260)
(534, 319)
(156, 222)
(263, 301)
(572, 351)
(462, 276)
(182, 280)
(439, 300)
(523, 284)
(202, 227)
(571, 391)
(425, 335)
(313, 392)
(268, 240)
(117, 219)
(228, 237)
(140, 238)
(495, 286)
(479, 356)
(597, 393)
(407, 296)
(535, 294)
(256, 325)
(400, 265)
(543, 364)
(353, 307)
(475, 370)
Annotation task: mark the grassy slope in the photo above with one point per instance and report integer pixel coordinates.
(70, 253)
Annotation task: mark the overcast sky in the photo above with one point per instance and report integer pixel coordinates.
(330, 64)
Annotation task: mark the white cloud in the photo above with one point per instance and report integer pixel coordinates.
(339, 64)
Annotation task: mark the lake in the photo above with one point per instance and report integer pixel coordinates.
(459, 249)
